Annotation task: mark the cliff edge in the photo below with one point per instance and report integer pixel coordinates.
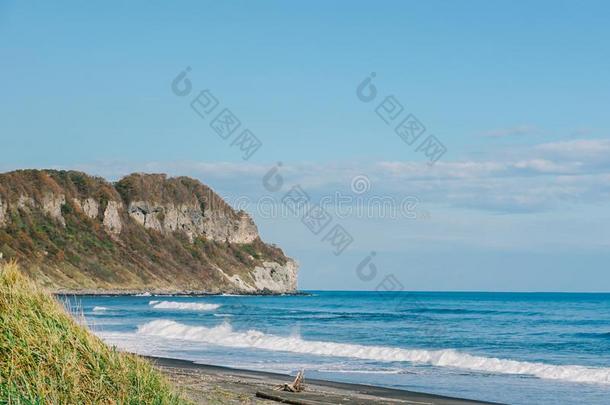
(146, 232)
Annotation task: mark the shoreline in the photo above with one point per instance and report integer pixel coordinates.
(205, 383)
(173, 293)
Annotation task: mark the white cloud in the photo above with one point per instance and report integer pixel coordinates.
(577, 149)
(547, 166)
(543, 177)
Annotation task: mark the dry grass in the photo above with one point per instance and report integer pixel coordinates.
(46, 357)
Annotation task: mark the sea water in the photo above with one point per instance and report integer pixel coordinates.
(518, 348)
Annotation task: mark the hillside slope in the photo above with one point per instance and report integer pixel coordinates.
(47, 358)
(147, 232)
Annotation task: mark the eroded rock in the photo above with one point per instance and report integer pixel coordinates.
(190, 219)
(51, 205)
(112, 219)
(276, 277)
(90, 207)
(3, 209)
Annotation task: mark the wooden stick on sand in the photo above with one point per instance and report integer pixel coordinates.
(296, 386)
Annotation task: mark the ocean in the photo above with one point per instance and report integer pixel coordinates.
(517, 348)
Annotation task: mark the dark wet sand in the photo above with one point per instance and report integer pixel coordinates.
(206, 384)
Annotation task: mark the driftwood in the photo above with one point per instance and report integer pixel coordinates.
(296, 386)
(282, 398)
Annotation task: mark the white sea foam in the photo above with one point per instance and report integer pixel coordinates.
(362, 370)
(144, 294)
(187, 306)
(99, 309)
(224, 335)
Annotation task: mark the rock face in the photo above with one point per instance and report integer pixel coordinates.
(145, 232)
(89, 206)
(2, 213)
(275, 277)
(182, 204)
(112, 219)
(51, 205)
(190, 219)
(270, 277)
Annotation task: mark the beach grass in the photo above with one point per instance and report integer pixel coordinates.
(46, 357)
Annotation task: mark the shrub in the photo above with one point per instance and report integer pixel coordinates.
(47, 357)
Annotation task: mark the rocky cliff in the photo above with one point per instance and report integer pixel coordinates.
(146, 232)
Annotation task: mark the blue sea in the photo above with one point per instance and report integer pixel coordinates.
(517, 348)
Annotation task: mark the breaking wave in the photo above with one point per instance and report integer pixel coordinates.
(99, 309)
(224, 335)
(187, 306)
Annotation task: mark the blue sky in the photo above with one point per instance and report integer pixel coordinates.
(518, 92)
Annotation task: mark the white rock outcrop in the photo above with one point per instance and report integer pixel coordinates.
(3, 209)
(275, 277)
(215, 224)
(271, 277)
(244, 231)
(112, 218)
(240, 284)
(25, 202)
(185, 217)
(90, 207)
(51, 205)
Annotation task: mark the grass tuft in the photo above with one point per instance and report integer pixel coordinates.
(46, 357)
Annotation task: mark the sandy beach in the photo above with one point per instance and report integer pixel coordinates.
(205, 384)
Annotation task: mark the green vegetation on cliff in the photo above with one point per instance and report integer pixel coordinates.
(60, 226)
(47, 358)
